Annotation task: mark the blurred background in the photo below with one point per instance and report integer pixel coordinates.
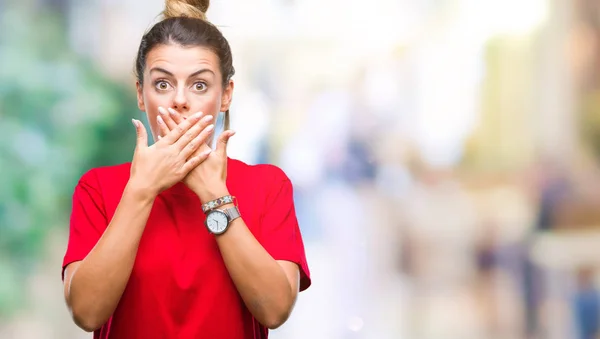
(445, 155)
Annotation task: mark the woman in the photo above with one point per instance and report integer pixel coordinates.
(144, 260)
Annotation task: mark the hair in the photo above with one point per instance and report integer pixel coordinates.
(184, 23)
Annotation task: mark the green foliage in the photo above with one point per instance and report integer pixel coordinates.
(59, 116)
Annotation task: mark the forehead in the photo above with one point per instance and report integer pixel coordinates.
(180, 60)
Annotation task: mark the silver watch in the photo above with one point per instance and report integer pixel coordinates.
(218, 221)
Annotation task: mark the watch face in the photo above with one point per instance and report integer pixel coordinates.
(216, 221)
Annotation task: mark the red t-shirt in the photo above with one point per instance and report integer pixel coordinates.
(179, 286)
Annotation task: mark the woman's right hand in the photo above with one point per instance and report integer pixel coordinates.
(156, 168)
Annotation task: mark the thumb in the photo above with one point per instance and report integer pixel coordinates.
(223, 140)
(142, 136)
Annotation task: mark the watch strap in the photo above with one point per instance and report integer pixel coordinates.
(232, 213)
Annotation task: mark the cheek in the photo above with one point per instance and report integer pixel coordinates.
(210, 103)
(152, 103)
(153, 124)
(152, 100)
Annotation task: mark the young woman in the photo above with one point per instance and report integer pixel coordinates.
(183, 242)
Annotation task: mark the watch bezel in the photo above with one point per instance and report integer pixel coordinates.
(217, 212)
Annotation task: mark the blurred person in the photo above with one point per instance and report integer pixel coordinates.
(488, 278)
(553, 189)
(159, 247)
(586, 305)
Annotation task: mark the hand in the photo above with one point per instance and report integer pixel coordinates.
(207, 180)
(160, 166)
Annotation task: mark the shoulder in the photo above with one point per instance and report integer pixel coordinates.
(106, 176)
(263, 174)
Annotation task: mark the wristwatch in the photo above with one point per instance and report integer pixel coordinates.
(218, 221)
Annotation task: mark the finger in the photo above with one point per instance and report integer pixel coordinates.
(194, 161)
(167, 118)
(223, 140)
(198, 142)
(176, 133)
(162, 127)
(176, 116)
(193, 132)
(142, 136)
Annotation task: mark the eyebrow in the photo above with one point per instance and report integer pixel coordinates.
(198, 72)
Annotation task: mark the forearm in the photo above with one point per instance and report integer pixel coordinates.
(259, 279)
(99, 281)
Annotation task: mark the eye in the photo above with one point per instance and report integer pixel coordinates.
(200, 86)
(162, 85)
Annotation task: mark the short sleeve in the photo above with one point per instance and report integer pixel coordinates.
(88, 219)
(280, 232)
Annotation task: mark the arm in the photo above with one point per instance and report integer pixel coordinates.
(93, 286)
(268, 287)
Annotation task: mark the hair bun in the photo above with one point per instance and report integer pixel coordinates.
(186, 8)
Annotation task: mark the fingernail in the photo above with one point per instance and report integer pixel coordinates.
(210, 127)
(134, 122)
(172, 111)
(207, 118)
(197, 115)
(160, 120)
(162, 111)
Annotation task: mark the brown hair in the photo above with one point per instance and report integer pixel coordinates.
(184, 23)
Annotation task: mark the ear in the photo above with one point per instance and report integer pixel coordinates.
(140, 96)
(227, 96)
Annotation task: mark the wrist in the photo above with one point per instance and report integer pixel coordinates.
(139, 191)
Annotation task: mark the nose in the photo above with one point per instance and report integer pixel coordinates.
(180, 102)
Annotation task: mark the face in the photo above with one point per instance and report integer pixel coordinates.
(187, 79)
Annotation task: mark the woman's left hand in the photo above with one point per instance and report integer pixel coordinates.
(207, 180)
